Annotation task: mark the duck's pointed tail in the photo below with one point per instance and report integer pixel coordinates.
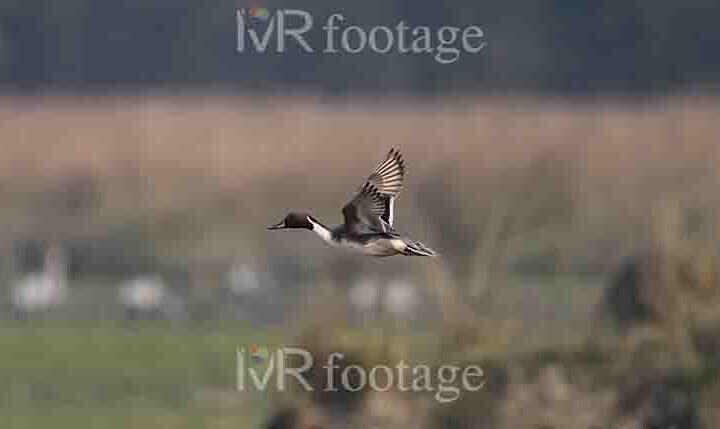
(415, 248)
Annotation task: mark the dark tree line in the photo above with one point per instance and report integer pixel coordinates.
(554, 46)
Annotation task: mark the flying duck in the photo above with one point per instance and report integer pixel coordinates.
(368, 226)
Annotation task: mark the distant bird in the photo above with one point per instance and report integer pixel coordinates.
(368, 226)
(148, 297)
(364, 296)
(243, 280)
(45, 289)
(401, 299)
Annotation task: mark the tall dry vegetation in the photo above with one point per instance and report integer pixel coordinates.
(569, 182)
(617, 154)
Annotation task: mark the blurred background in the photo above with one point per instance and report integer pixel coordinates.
(567, 175)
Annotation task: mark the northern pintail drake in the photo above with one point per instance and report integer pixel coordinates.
(368, 226)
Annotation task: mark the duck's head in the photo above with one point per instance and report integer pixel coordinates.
(294, 220)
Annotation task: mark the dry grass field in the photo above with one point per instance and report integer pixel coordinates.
(164, 152)
(587, 174)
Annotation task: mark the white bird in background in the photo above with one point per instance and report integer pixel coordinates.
(254, 294)
(364, 296)
(148, 297)
(243, 280)
(43, 290)
(401, 299)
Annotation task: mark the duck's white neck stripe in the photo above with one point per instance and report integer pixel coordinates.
(321, 231)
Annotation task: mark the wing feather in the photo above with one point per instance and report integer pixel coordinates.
(388, 177)
(374, 203)
(366, 208)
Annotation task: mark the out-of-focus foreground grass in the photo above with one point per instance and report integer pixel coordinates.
(109, 376)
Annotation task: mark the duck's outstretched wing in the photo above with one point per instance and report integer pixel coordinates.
(387, 179)
(363, 213)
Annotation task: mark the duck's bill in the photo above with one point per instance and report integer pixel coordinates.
(279, 225)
